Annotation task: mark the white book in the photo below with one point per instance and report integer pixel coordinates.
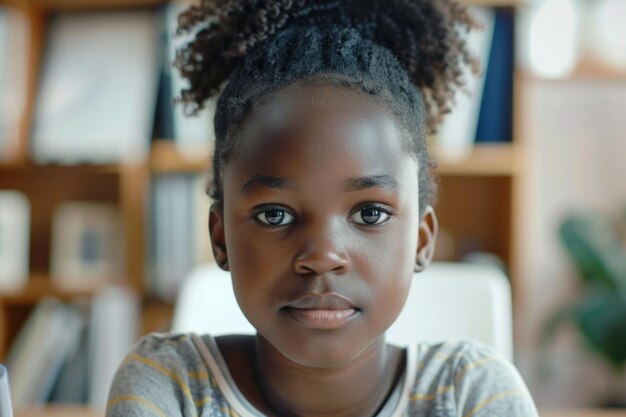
(181, 243)
(193, 135)
(38, 352)
(65, 329)
(164, 212)
(98, 88)
(175, 234)
(457, 133)
(114, 330)
(14, 240)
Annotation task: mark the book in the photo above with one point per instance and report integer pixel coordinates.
(163, 128)
(495, 121)
(72, 382)
(113, 331)
(98, 88)
(14, 240)
(172, 237)
(180, 239)
(458, 130)
(39, 351)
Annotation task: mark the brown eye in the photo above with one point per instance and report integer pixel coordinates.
(275, 217)
(370, 216)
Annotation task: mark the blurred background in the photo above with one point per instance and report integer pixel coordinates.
(103, 214)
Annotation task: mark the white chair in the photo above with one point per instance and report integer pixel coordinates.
(449, 301)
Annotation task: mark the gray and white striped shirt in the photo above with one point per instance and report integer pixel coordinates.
(184, 375)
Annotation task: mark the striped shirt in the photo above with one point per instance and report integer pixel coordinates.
(184, 375)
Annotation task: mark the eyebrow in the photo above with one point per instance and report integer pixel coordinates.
(268, 181)
(379, 181)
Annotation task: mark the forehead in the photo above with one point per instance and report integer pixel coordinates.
(308, 128)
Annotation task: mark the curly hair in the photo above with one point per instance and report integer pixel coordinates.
(409, 54)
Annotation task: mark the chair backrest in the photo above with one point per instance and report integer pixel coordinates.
(449, 301)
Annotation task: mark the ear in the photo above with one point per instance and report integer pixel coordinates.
(218, 238)
(428, 229)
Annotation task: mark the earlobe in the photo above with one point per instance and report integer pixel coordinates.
(218, 238)
(428, 229)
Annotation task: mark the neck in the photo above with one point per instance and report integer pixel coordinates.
(358, 388)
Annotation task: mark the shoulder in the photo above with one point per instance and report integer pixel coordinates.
(165, 375)
(469, 378)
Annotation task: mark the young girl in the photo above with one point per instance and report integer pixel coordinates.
(323, 195)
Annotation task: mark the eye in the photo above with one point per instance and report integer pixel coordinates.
(370, 216)
(275, 217)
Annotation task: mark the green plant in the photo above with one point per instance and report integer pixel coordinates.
(597, 249)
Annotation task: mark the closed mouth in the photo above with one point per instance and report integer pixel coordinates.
(321, 311)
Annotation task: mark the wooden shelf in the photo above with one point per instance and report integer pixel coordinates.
(482, 160)
(586, 70)
(82, 169)
(40, 286)
(165, 158)
(156, 315)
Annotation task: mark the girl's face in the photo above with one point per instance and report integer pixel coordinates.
(320, 222)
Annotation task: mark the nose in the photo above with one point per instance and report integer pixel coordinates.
(322, 252)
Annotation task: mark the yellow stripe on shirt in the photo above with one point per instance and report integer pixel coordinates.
(153, 364)
(491, 399)
(203, 401)
(198, 374)
(475, 364)
(430, 397)
(135, 399)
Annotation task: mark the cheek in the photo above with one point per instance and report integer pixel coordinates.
(390, 271)
(254, 265)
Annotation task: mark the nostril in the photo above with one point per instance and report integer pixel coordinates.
(321, 263)
(304, 269)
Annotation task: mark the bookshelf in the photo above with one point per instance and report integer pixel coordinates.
(478, 205)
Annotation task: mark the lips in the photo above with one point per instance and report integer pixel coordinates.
(321, 302)
(321, 311)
